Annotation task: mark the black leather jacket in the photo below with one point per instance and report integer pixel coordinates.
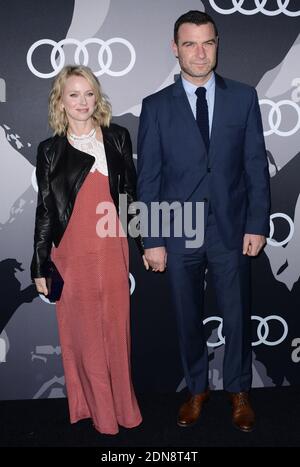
(61, 170)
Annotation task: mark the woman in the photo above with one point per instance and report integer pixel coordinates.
(86, 162)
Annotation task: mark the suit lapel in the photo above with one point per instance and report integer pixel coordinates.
(218, 115)
(183, 109)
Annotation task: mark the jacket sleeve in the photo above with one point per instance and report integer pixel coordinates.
(130, 180)
(149, 172)
(257, 173)
(44, 218)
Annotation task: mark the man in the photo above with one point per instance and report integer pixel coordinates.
(201, 140)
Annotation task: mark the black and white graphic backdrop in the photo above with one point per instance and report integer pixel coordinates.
(127, 44)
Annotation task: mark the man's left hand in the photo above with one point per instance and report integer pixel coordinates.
(253, 244)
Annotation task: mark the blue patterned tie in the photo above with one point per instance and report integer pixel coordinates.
(202, 115)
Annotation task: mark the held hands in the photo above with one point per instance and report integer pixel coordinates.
(156, 258)
(41, 286)
(146, 264)
(253, 244)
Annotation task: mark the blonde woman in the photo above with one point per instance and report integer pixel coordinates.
(87, 161)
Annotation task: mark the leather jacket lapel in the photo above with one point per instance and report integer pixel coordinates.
(113, 163)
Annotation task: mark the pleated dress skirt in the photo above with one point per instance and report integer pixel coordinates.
(93, 313)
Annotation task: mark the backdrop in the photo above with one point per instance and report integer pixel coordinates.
(127, 44)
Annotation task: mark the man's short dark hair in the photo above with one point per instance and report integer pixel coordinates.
(194, 17)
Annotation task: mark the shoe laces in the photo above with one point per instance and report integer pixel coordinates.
(242, 399)
(195, 401)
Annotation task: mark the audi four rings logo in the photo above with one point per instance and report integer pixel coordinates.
(259, 8)
(132, 283)
(262, 330)
(283, 242)
(81, 50)
(276, 112)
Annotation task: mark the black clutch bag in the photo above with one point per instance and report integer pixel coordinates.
(54, 283)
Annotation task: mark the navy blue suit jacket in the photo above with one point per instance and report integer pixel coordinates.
(173, 161)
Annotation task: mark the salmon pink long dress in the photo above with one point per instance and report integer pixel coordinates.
(93, 312)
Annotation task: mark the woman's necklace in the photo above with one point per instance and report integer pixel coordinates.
(90, 135)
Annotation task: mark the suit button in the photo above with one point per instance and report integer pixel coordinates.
(208, 169)
(205, 200)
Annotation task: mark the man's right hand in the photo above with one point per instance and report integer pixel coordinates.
(41, 286)
(156, 258)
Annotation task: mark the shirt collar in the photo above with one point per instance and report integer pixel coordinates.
(190, 88)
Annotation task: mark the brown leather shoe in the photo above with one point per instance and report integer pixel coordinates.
(243, 416)
(190, 411)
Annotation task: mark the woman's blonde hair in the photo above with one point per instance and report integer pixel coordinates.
(57, 116)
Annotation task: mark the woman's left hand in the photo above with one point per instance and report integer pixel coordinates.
(146, 264)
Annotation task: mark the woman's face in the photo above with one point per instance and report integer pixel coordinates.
(78, 99)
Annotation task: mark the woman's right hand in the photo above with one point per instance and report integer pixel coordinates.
(41, 286)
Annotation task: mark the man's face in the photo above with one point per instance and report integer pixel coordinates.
(196, 51)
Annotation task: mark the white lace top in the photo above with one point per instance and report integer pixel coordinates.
(89, 144)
